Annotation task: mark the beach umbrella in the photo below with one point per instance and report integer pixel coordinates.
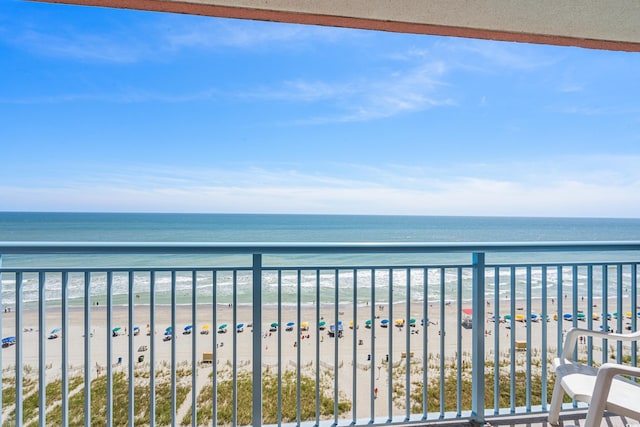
(567, 316)
(8, 340)
(520, 317)
(188, 327)
(580, 315)
(322, 325)
(168, 329)
(368, 323)
(206, 326)
(240, 326)
(118, 329)
(507, 317)
(384, 323)
(274, 325)
(289, 326)
(412, 322)
(304, 326)
(56, 330)
(167, 332)
(223, 326)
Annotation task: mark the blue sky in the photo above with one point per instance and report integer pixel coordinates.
(116, 110)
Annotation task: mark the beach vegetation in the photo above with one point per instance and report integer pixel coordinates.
(270, 389)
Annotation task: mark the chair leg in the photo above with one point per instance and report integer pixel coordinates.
(556, 403)
(594, 416)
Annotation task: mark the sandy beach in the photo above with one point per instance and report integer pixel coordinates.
(354, 354)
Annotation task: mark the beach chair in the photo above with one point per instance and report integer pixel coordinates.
(603, 388)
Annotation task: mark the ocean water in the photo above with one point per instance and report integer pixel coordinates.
(131, 227)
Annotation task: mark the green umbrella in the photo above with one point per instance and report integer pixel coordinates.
(368, 322)
(168, 328)
(223, 326)
(274, 325)
(412, 321)
(116, 329)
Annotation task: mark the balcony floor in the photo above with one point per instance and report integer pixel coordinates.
(576, 418)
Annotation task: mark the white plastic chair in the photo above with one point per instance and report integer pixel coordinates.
(601, 387)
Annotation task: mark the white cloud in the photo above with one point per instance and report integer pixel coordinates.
(400, 191)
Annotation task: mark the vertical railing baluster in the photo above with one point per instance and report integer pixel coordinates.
(544, 353)
(356, 324)
(512, 340)
(19, 360)
(574, 297)
(390, 350)
(590, 313)
(373, 396)
(194, 354)
(279, 333)
(559, 314)
(407, 359)
(298, 340)
(213, 329)
(87, 348)
(152, 347)
(131, 367)
(459, 343)
(336, 339)
(477, 341)
(634, 312)
(257, 343)
(110, 349)
(173, 404)
(65, 347)
(234, 352)
(621, 312)
(496, 340)
(317, 338)
(42, 361)
(528, 340)
(425, 344)
(605, 309)
(443, 334)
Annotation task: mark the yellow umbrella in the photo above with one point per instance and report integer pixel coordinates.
(206, 326)
(304, 326)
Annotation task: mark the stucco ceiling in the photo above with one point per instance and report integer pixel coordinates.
(597, 24)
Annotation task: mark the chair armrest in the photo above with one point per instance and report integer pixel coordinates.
(607, 372)
(574, 333)
(612, 369)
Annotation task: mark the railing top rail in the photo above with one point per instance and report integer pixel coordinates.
(306, 247)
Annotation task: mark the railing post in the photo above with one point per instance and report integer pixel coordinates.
(477, 340)
(256, 419)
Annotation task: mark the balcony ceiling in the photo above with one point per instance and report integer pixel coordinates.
(595, 24)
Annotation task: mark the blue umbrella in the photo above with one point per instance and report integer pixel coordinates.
(8, 340)
(167, 332)
(188, 328)
(56, 330)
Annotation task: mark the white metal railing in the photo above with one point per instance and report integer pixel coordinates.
(363, 373)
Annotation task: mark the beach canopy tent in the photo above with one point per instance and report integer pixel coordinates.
(467, 311)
